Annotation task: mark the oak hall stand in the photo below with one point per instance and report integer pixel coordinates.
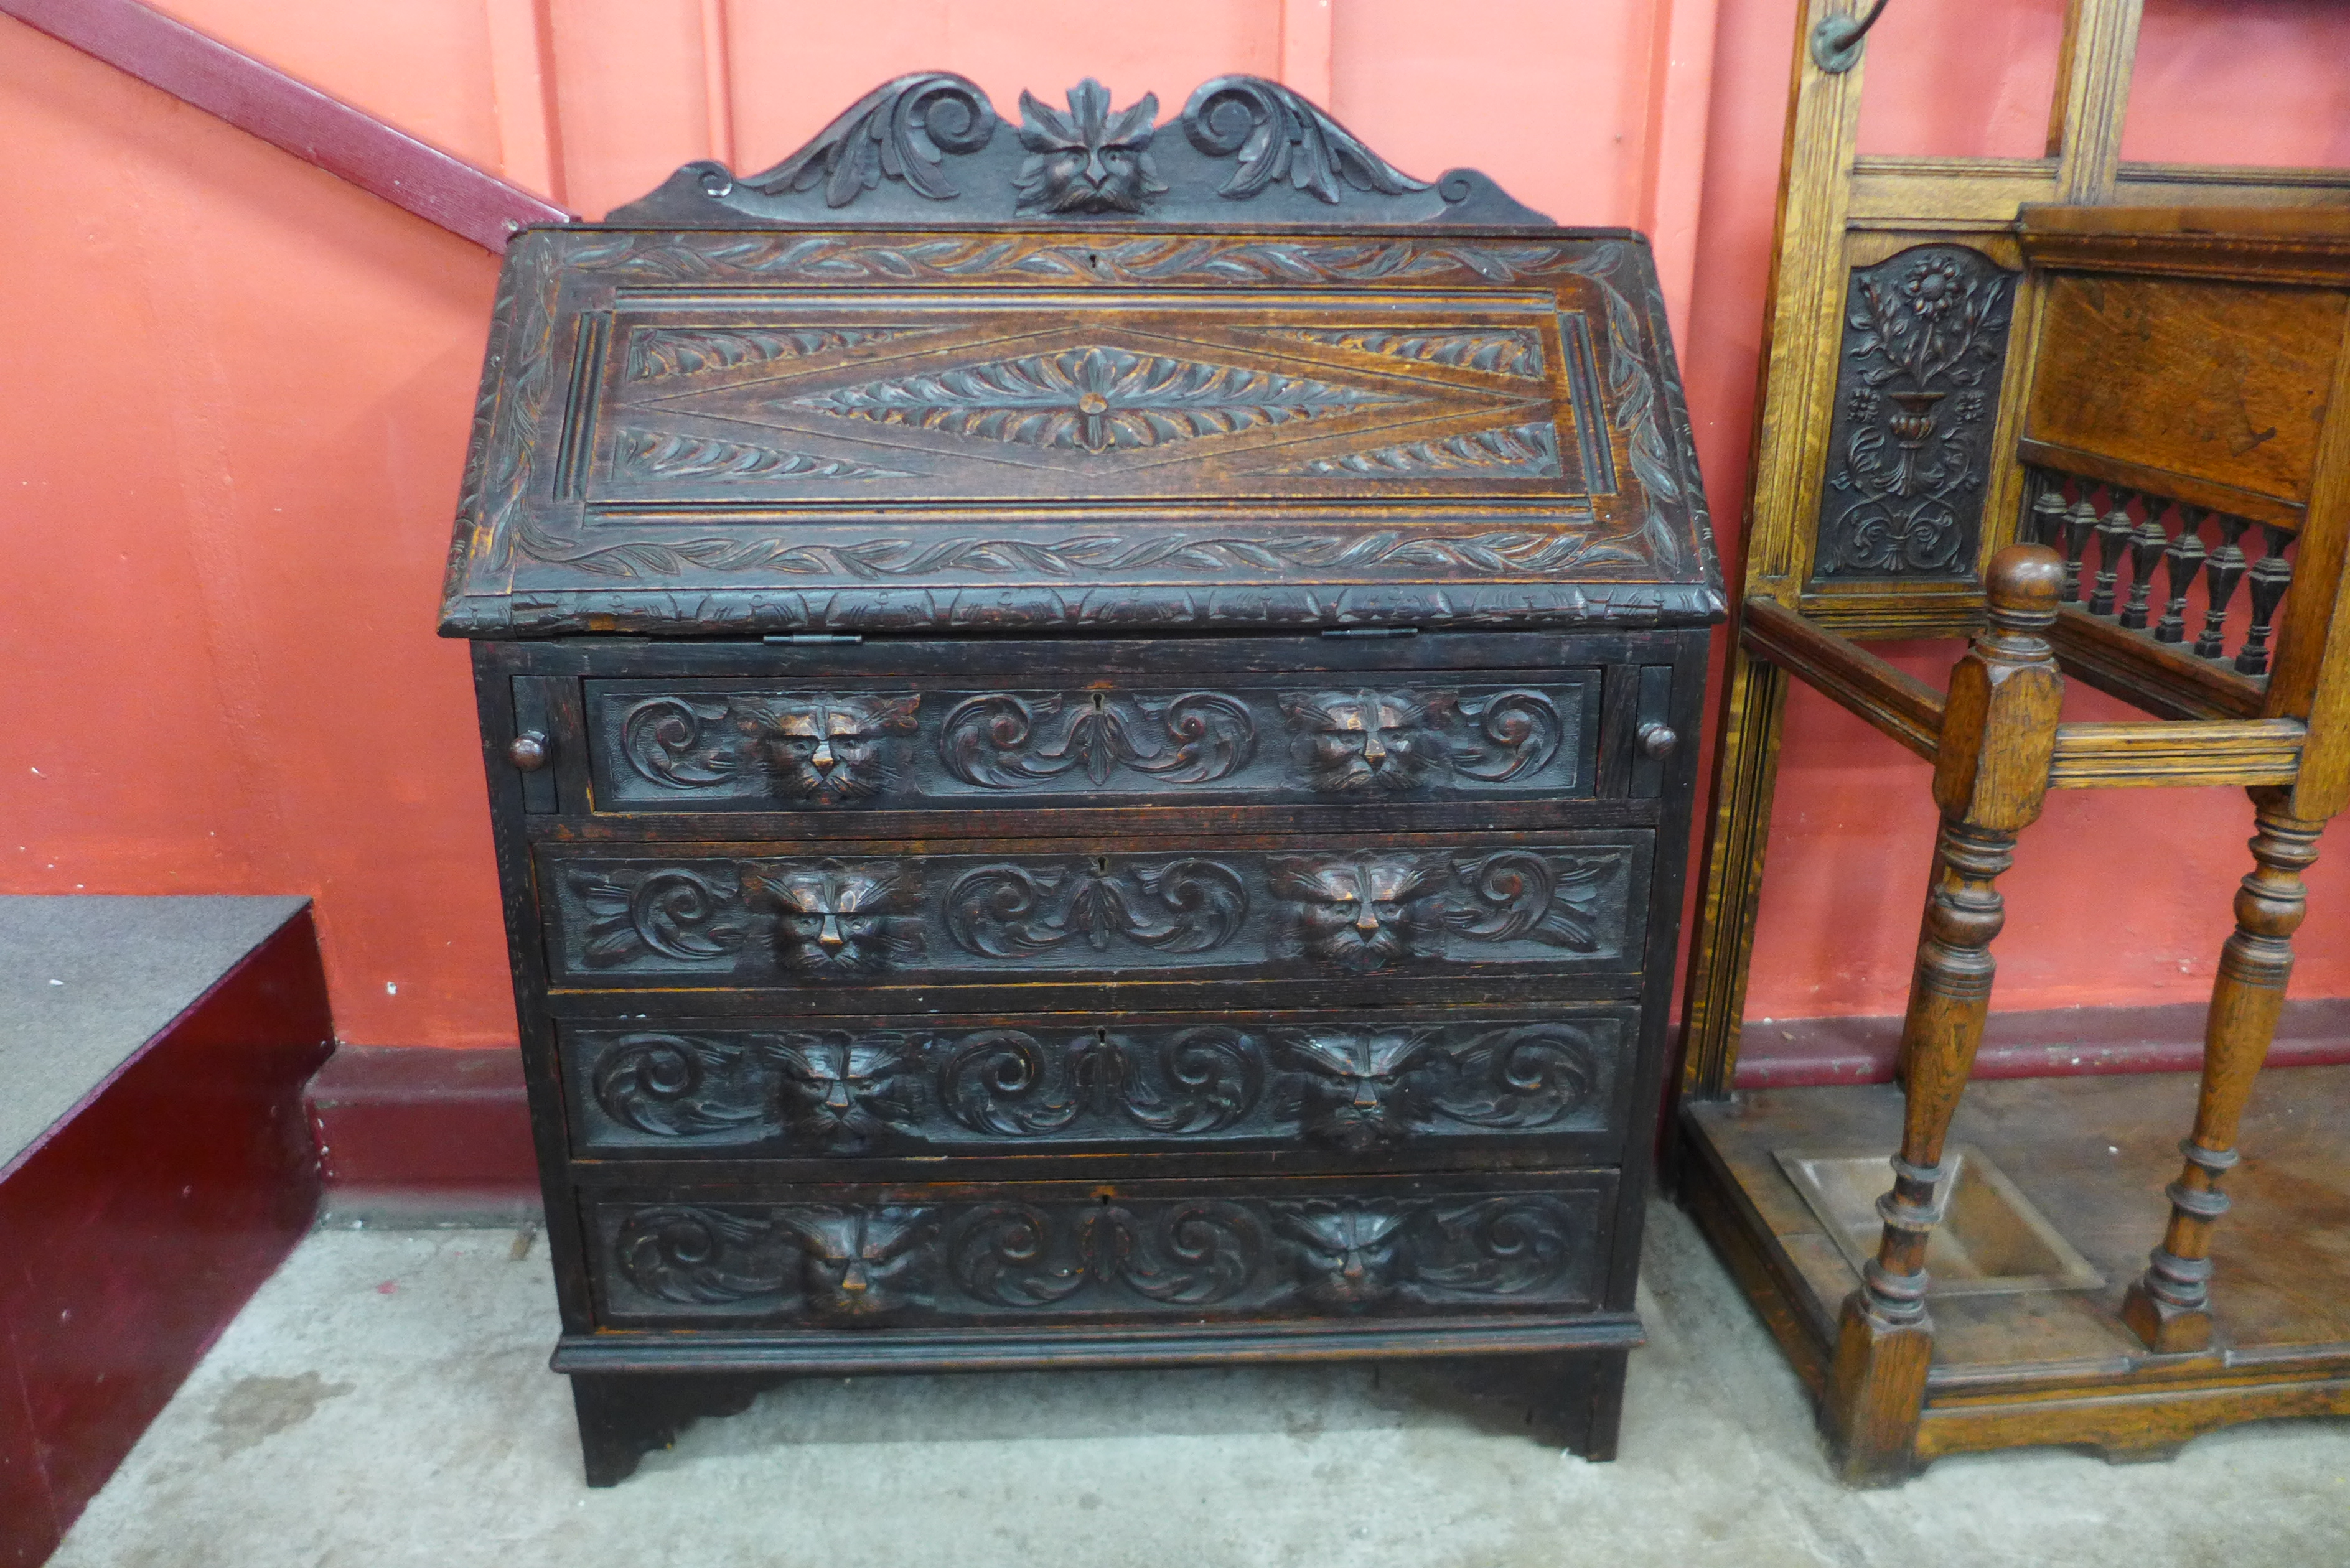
(2117, 429)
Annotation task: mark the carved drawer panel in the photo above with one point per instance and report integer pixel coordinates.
(872, 915)
(1030, 1253)
(720, 745)
(1337, 1084)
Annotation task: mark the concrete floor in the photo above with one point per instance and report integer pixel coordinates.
(384, 1401)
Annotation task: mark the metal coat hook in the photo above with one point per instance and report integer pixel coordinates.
(1836, 42)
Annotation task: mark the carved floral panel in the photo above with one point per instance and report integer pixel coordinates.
(1916, 391)
(1349, 1087)
(1005, 400)
(855, 919)
(1050, 1254)
(706, 746)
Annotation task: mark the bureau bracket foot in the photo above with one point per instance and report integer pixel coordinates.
(623, 1417)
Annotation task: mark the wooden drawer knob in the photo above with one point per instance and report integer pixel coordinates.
(1658, 740)
(527, 751)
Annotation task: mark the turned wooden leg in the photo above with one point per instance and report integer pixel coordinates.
(1884, 1340)
(2170, 1307)
(1990, 774)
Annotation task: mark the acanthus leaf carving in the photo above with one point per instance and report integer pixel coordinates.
(659, 352)
(680, 915)
(1517, 895)
(1274, 134)
(1527, 451)
(1093, 398)
(895, 132)
(1512, 351)
(1358, 1088)
(672, 455)
(1190, 905)
(855, 1261)
(1515, 735)
(680, 1085)
(1190, 1254)
(994, 741)
(1004, 1082)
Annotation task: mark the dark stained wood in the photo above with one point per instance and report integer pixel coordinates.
(259, 98)
(1225, 907)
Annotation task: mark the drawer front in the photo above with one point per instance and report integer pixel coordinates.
(1033, 1254)
(1347, 1085)
(870, 915)
(735, 745)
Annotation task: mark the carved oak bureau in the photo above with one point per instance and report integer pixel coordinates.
(1085, 723)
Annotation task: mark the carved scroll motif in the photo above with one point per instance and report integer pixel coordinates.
(677, 914)
(1917, 388)
(835, 1092)
(1349, 1255)
(823, 748)
(1186, 1254)
(849, 1264)
(1358, 1089)
(1371, 913)
(895, 132)
(1275, 135)
(1191, 905)
(1402, 742)
(1001, 740)
(852, 1262)
(1520, 896)
(1006, 1082)
(677, 1086)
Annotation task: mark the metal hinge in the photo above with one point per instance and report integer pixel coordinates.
(805, 637)
(1370, 632)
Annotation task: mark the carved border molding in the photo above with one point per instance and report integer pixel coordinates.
(862, 1092)
(501, 528)
(851, 1263)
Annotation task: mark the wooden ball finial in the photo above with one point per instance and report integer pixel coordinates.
(2022, 586)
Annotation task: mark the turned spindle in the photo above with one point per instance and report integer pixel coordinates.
(1991, 772)
(2147, 545)
(2270, 575)
(2080, 522)
(2114, 533)
(2181, 559)
(2223, 570)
